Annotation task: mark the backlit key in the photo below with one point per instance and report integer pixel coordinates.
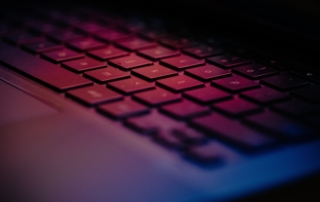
(179, 83)
(131, 85)
(130, 62)
(182, 62)
(93, 95)
(107, 74)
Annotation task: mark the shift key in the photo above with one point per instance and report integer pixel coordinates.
(46, 72)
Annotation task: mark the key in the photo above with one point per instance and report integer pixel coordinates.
(279, 126)
(167, 139)
(154, 72)
(309, 93)
(264, 95)
(64, 36)
(93, 95)
(207, 94)
(131, 85)
(184, 109)
(135, 43)
(228, 60)
(110, 35)
(62, 55)
(107, 74)
(86, 44)
(130, 62)
(274, 63)
(157, 97)
(232, 131)
(181, 62)
(284, 81)
(237, 107)
(146, 124)
(83, 64)
(208, 72)
(90, 26)
(23, 38)
(153, 34)
(235, 83)
(208, 154)
(202, 51)
(158, 52)
(123, 109)
(52, 75)
(41, 47)
(108, 53)
(179, 83)
(45, 28)
(296, 108)
(177, 42)
(308, 73)
(189, 135)
(254, 71)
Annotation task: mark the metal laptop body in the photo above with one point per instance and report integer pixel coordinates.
(55, 149)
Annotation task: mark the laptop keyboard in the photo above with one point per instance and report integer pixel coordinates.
(130, 71)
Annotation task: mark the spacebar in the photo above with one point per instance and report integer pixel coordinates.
(40, 69)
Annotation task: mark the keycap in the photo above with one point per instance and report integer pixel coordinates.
(181, 62)
(231, 130)
(167, 139)
(108, 53)
(130, 62)
(189, 135)
(255, 70)
(264, 95)
(131, 85)
(46, 72)
(279, 126)
(235, 83)
(296, 108)
(309, 93)
(158, 52)
(208, 154)
(154, 72)
(184, 109)
(207, 94)
(123, 109)
(83, 64)
(62, 55)
(41, 47)
(236, 107)
(147, 124)
(308, 73)
(107, 74)
(23, 38)
(45, 28)
(90, 26)
(135, 43)
(93, 95)
(133, 25)
(158, 96)
(177, 42)
(202, 51)
(179, 83)
(153, 34)
(86, 44)
(228, 60)
(208, 72)
(111, 34)
(284, 81)
(66, 35)
(273, 63)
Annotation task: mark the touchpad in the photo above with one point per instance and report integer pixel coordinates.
(17, 106)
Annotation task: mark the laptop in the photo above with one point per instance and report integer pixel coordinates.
(159, 101)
